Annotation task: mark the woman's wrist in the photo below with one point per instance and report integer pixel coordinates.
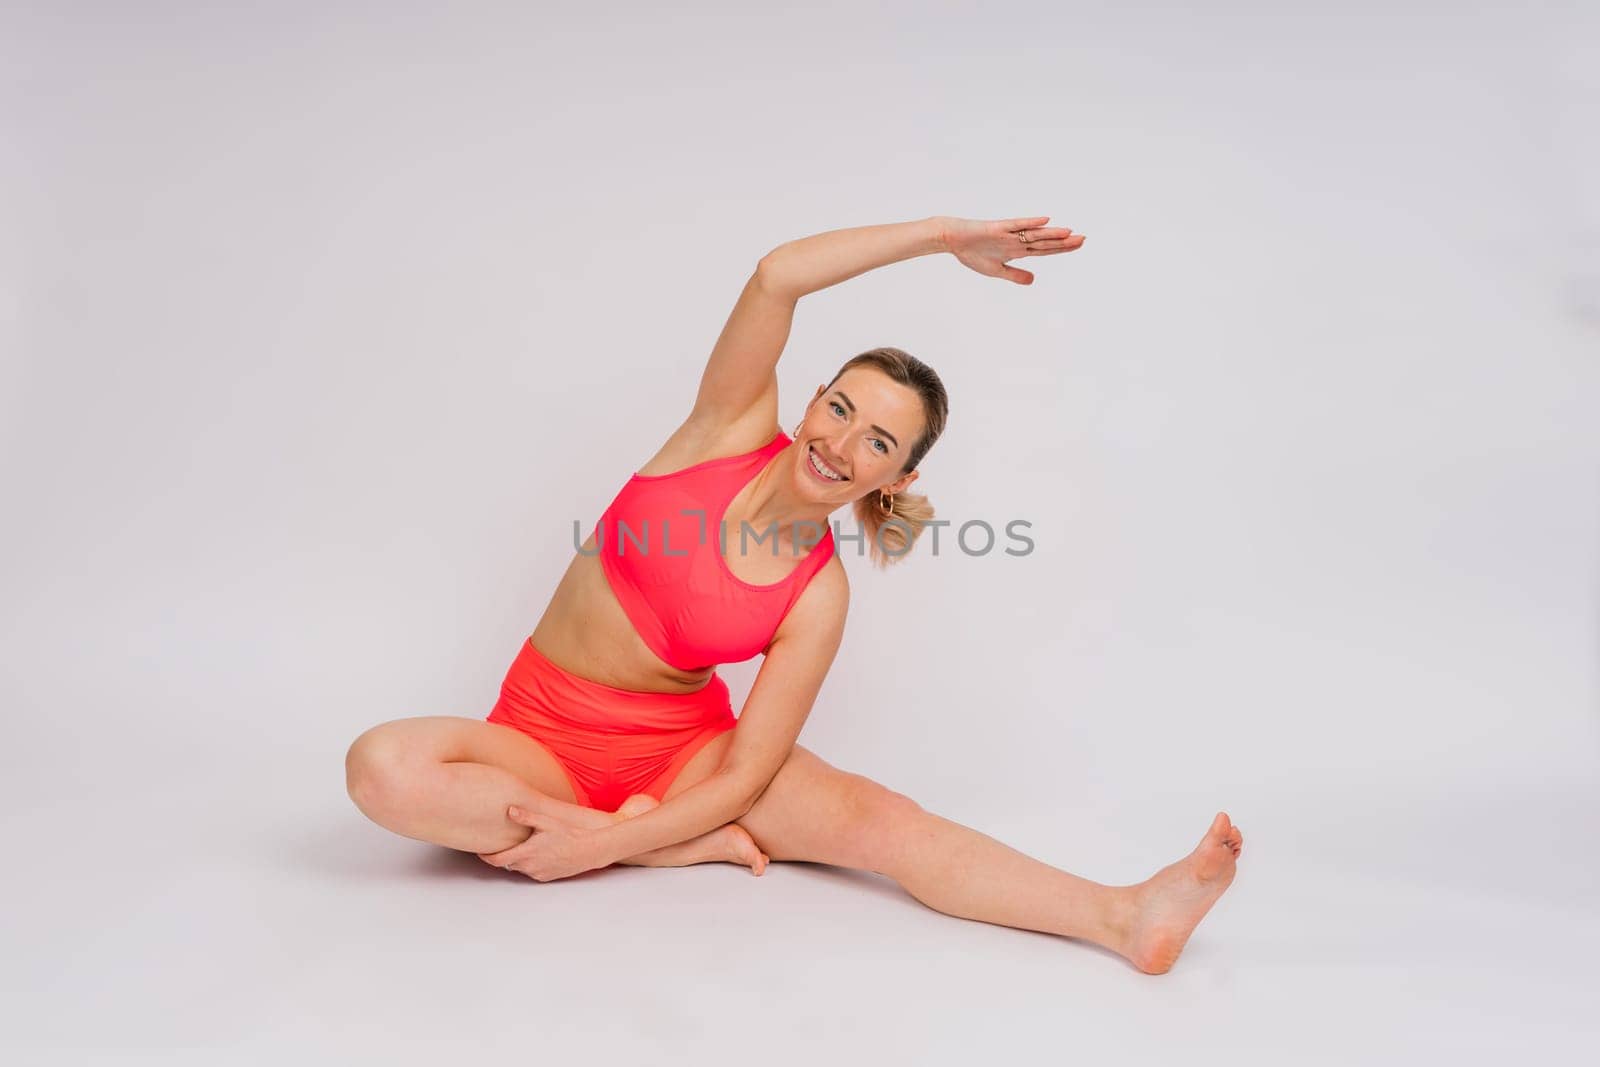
(599, 847)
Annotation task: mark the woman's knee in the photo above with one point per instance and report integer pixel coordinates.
(376, 765)
(894, 808)
(879, 816)
(875, 802)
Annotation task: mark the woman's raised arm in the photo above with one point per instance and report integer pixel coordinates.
(796, 268)
(985, 245)
(741, 376)
(742, 370)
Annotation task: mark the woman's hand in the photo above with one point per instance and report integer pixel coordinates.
(985, 246)
(554, 849)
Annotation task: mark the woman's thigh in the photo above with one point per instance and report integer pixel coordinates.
(387, 755)
(812, 811)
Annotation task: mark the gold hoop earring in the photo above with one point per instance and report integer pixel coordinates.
(886, 508)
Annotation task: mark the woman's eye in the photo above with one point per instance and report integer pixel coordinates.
(836, 406)
(881, 446)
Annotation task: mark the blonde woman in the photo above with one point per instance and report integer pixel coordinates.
(614, 739)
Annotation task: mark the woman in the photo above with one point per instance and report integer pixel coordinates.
(614, 741)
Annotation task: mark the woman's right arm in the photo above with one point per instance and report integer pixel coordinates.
(825, 259)
(741, 375)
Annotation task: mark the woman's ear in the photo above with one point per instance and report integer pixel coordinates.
(900, 485)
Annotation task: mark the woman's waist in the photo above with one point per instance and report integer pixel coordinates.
(587, 632)
(637, 679)
(537, 687)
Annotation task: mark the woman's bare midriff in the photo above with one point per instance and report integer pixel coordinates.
(586, 632)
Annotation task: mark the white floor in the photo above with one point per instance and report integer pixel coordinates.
(1369, 923)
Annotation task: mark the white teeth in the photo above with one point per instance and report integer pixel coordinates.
(818, 466)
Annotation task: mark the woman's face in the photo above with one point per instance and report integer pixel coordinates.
(862, 427)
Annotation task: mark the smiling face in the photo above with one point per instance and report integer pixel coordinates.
(861, 427)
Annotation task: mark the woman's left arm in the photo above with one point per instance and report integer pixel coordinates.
(780, 700)
(557, 849)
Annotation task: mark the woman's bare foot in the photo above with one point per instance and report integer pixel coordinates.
(728, 843)
(1169, 904)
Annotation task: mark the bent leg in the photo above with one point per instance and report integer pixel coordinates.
(448, 781)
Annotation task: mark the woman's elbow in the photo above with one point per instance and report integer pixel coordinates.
(772, 276)
(745, 786)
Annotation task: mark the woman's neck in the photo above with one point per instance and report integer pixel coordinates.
(773, 504)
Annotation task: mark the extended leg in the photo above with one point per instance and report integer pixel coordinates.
(959, 871)
(815, 812)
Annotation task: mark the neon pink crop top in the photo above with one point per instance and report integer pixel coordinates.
(658, 545)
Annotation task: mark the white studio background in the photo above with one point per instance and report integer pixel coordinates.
(322, 324)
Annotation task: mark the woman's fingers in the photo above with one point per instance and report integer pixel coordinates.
(509, 856)
(1035, 247)
(503, 858)
(987, 246)
(525, 817)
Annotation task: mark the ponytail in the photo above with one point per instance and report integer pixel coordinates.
(890, 536)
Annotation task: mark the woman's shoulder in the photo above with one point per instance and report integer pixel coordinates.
(825, 598)
(699, 441)
(818, 615)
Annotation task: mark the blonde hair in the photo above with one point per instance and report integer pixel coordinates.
(891, 536)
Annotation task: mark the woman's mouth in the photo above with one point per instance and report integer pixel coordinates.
(821, 470)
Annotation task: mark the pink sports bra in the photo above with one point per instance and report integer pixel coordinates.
(658, 543)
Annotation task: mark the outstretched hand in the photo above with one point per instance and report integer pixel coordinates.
(554, 849)
(986, 245)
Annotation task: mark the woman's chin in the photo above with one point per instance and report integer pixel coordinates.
(829, 492)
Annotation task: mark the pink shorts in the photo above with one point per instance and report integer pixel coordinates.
(612, 742)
